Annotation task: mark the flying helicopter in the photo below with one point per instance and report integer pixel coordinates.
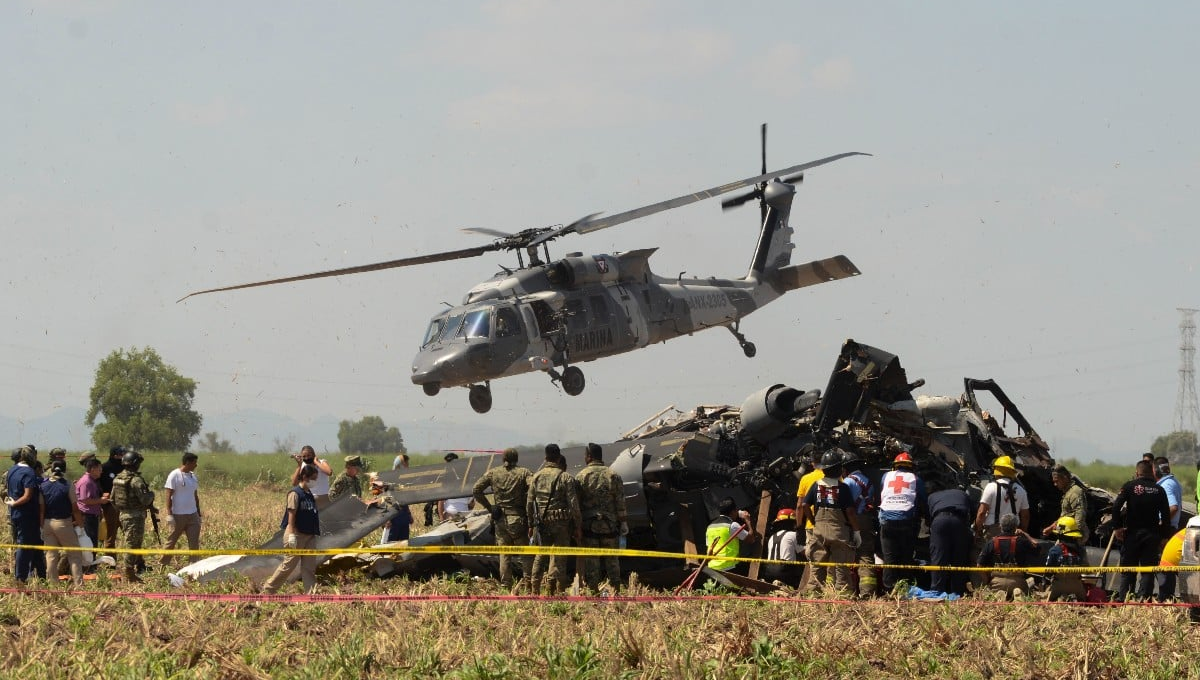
(551, 315)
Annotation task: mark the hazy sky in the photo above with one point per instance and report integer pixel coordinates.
(1027, 214)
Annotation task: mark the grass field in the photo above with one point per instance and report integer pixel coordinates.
(69, 635)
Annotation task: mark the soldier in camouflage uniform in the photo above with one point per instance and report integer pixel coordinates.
(602, 505)
(347, 482)
(133, 498)
(553, 511)
(510, 487)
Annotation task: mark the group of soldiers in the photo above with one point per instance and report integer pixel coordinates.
(551, 507)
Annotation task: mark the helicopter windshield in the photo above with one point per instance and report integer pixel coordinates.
(476, 325)
(435, 329)
(451, 326)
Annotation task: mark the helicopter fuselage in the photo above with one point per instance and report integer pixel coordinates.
(571, 311)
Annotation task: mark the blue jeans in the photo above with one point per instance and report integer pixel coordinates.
(26, 531)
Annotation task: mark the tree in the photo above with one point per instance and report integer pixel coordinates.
(212, 442)
(284, 444)
(1179, 446)
(143, 402)
(369, 435)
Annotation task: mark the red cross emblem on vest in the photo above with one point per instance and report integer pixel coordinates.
(898, 485)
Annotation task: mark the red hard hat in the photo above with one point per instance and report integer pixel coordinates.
(785, 514)
(903, 459)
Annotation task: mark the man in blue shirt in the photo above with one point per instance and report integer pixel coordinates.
(24, 513)
(1170, 485)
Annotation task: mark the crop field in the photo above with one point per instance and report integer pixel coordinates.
(112, 630)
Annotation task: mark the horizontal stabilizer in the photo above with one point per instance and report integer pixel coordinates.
(810, 274)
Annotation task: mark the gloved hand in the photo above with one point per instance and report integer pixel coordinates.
(624, 528)
(290, 541)
(856, 540)
(497, 514)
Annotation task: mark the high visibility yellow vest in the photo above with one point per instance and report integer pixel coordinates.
(716, 536)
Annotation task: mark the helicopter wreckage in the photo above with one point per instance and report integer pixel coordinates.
(676, 469)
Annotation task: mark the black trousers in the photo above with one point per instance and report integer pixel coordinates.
(1142, 548)
(897, 542)
(949, 546)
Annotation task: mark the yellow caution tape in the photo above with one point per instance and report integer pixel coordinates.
(578, 551)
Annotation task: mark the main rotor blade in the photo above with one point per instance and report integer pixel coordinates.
(485, 231)
(390, 264)
(588, 225)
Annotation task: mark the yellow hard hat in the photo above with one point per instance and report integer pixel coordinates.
(1003, 467)
(1068, 527)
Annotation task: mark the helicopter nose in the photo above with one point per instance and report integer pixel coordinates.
(448, 366)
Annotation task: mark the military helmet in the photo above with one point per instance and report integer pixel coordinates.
(831, 459)
(1067, 526)
(132, 459)
(851, 458)
(1003, 467)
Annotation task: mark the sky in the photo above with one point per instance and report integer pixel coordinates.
(1026, 214)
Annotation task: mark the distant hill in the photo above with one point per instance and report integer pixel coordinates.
(256, 430)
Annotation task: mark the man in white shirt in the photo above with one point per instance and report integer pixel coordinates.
(183, 506)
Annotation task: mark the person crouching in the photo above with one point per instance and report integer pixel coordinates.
(1067, 552)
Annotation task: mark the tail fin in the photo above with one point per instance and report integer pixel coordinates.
(774, 249)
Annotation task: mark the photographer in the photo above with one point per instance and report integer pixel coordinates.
(320, 486)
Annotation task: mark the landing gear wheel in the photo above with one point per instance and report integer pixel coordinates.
(749, 349)
(480, 397)
(431, 389)
(572, 380)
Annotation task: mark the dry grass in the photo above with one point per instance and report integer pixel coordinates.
(62, 635)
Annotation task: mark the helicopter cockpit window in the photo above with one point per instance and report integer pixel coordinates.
(451, 326)
(435, 329)
(476, 325)
(508, 323)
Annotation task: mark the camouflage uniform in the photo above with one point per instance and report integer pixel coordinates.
(602, 504)
(344, 484)
(132, 497)
(510, 489)
(553, 509)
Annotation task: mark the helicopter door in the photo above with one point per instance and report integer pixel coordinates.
(508, 343)
(634, 317)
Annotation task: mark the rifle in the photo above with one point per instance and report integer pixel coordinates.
(154, 523)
